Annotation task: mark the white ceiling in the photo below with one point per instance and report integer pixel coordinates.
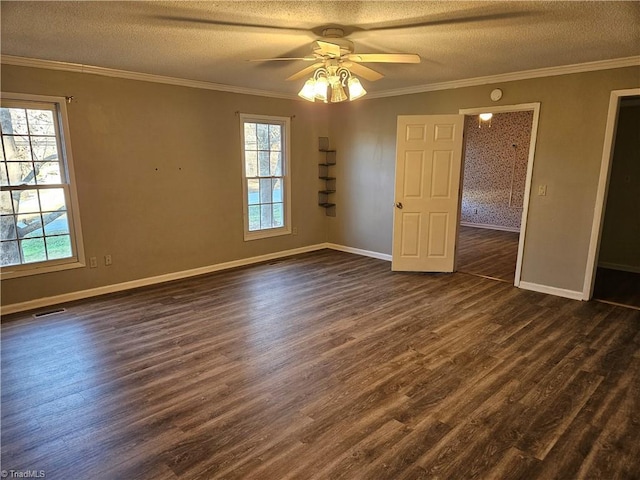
(212, 41)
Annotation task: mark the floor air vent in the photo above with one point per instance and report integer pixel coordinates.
(50, 312)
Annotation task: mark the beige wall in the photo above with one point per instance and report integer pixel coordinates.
(188, 213)
(568, 155)
(620, 244)
(159, 177)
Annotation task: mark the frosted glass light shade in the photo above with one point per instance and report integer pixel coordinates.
(322, 84)
(356, 90)
(308, 91)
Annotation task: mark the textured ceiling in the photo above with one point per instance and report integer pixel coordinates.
(212, 41)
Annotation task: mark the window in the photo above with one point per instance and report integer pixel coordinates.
(39, 229)
(265, 168)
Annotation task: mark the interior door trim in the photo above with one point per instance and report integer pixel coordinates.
(603, 185)
(535, 107)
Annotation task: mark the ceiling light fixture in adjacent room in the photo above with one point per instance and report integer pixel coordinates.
(485, 118)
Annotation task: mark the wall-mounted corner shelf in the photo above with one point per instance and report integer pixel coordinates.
(325, 173)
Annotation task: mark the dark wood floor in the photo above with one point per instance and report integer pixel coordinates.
(324, 366)
(491, 253)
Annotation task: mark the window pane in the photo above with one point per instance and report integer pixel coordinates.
(48, 173)
(265, 190)
(250, 139)
(44, 148)
(7, 228)
(9, 254)
(263, 160)
(35, 224)
(29, 225)
(266, 216)
(251, 164)
(278, 215)
(33, 250)
(41, 122)
(4, 178)
(16, 148)
(52, 199)
(276, 164)
(21, 173)
(254, 217)
(58, 247)
(266, 166)
(277, 189)
(55, 223)
(275, 137)
(5, 202)
(263, 136)
(26, 201)
(253, 191)
(13, 120)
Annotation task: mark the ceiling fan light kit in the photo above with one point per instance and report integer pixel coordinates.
(329, 83)
(333, 74)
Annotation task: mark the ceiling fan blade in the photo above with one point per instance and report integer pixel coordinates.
(330, 49)
(481, 14)
(221, 23)
(365, 72)
(385, 57)
(305, 71)
(281, 59)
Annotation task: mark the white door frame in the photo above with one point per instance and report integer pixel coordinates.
(535, 107)
(603, 186)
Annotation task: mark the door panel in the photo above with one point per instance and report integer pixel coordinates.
(428, 169)
(438, 230)
(410, 234)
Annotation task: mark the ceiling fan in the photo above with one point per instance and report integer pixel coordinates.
(335, 62)
(335, 49)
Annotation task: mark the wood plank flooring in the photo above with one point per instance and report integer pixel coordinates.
(324, 366)
(491, 253)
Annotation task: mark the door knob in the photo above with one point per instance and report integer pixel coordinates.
(399, 205)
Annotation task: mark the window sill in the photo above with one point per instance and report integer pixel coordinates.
(7, 273)
(272, 232)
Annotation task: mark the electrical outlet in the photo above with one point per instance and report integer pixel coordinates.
(93, 262)
(107, 260)
(295, 230)
(542, 190)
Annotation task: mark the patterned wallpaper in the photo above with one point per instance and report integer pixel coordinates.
(495, 170)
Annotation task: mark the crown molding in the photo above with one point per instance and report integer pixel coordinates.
(144, 77)
(509, 77)
(469, 82)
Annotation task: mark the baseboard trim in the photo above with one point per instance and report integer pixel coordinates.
(143, 282)
(359, 251)
(617, 266)
(490, 227)
(558, 292)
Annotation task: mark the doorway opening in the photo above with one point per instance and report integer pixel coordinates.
(615, 267)
(497, 162)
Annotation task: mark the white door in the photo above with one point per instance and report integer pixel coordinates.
(427, 193)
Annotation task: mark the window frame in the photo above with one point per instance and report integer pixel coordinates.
(68, 183)
(285, 122)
